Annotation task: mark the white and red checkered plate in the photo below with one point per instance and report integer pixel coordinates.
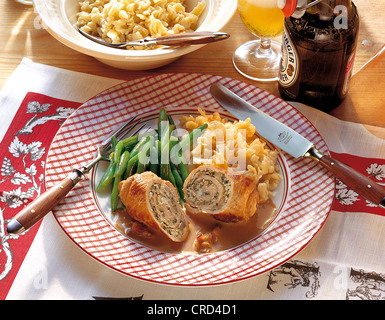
(304, 198)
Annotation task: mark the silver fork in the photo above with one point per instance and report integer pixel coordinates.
(181, 39)
(43, 204)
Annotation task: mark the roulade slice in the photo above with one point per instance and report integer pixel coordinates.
(155, 203)
(226, 195)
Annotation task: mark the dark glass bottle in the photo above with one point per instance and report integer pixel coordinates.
(318, 51)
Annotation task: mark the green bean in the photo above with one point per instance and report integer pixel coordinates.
(189, 140)
(139, 145)
(171, 130)
(118, 151)
(178, 180)
(173, 141)
(165, 154)
(131, 166)
(177, 157)
(170, 120)
(114, 142)
(121, 167)
(143, 155)
(165, 137)
(164, 170)
(130, 140)
(154, 159)
(108, 175)
(171, 179)
(130, 146)
(115, 194)
(159, 153)
(107, 178)
(130, 143)
(183, 167)
(143, 167)
(162, 119)
(172, 124)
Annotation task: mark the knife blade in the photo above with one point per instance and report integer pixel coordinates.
(295, 144)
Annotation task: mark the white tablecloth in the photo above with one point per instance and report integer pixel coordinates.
(346, 260)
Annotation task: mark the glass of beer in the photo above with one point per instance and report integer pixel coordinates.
(259, 59)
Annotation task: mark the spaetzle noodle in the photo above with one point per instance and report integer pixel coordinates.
(117, 21)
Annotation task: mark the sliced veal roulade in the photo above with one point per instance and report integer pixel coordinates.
(155, 203)
(225, 195)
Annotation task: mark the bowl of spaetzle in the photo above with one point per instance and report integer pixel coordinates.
(117, 21)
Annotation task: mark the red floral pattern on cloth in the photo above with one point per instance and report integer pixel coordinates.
(347, 200)
(22, 157)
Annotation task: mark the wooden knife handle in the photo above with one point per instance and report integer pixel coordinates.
(38, 208)
(356, 181)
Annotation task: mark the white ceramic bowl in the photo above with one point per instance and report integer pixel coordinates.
(59, 16)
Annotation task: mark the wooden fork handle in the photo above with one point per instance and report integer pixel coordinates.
(37, 209)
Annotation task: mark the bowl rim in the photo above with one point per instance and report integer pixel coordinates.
(96, 50)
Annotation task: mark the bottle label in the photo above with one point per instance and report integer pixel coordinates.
(289, 62)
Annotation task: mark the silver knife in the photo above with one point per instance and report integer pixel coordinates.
(296, 145)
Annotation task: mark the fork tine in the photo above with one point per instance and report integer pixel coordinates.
(124, 127)
(107, 141)
(137, 131)
(123, 133)
(108, 148)
(127, 130)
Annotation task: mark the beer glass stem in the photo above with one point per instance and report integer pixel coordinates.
(258, 59)
(265, 47)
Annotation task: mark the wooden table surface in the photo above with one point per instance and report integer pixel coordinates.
(20, 36)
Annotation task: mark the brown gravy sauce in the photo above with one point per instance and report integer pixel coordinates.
(228, 235)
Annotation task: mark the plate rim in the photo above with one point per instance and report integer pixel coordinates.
(245, 275)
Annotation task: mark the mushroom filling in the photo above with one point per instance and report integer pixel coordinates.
(166, 210)
(209, 190)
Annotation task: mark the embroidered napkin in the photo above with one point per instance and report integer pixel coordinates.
(344, 261)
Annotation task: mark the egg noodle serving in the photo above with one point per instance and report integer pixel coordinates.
(117, 21)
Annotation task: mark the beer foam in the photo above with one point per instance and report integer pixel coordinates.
(263, 3)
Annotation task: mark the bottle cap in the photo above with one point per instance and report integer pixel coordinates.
(287, 6)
